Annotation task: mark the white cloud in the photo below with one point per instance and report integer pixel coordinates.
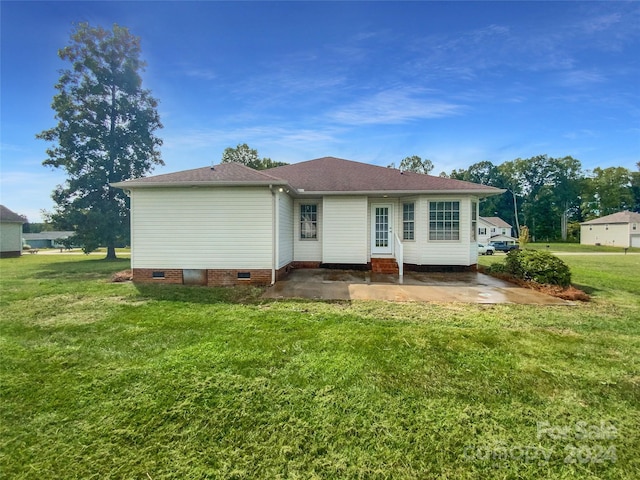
(580, 78)
(581, 134)
(394, 106)
(202, 73)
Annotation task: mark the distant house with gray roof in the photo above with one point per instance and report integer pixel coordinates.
(46, 239)
(620, 229)
(229, 224)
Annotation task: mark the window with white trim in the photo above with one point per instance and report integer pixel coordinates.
(474, 220)
(444, 220)
(308, 222)
(482, 231)
(408, 221)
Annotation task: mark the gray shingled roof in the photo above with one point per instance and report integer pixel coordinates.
(52, 235)
(497, 221)
(225, 173)
(322, 175)
(331, 174)
(620, 217)
(8, 216)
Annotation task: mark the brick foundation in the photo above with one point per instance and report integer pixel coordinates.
(10, 254)
(439, 268)
(305, 265)
(145, 275)
(228, 278)
(282, 273)
(215, 277)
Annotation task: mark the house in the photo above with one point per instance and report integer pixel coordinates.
(493, 229)
(46, 239)
(229, 224)
(10, 233)
(620, 229)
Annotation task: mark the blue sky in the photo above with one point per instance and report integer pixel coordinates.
(454, 82)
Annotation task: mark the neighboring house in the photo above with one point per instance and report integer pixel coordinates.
(230, 224)
(46, 239)
(494, 229)
(10, 233)
(620, 229)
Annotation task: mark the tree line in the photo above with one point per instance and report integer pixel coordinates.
(551, 196)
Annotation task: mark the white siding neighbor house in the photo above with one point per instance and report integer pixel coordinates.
(492, 229)
(229, 224)
(620, 229)
(10, 233)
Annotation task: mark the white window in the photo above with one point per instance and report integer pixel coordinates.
(444, 220)
(408, 221)
(474, 221)
(482, 231)
(309, 222)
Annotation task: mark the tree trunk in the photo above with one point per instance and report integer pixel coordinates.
(565, 221)
(111, 253)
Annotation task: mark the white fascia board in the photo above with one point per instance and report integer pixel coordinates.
(399, 193)
(130, 184)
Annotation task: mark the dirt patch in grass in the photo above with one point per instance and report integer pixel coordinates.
(122, 276)
(570, 293)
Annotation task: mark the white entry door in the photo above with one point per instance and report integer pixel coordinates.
(381, 228)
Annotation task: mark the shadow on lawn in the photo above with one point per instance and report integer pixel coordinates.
(586, 288)
(196, 294)
(81, 269)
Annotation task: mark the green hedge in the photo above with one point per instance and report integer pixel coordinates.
(539, 266)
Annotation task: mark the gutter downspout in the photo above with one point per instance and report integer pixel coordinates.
(273, 235)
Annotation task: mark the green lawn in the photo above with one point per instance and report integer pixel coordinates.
(103, 380)
(576, 247)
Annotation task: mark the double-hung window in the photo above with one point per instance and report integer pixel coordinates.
(308, 222)
(444, 220)
(408, 221)
(474, 220)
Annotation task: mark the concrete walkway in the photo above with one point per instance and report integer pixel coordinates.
(467, 287)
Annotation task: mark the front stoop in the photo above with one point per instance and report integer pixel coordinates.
(384, 265)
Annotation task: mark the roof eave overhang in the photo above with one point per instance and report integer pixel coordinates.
(398, 193)
(131, 184)
(605, 223)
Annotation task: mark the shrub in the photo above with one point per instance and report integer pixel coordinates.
(497, 267)
(26, 246)
(538, 266)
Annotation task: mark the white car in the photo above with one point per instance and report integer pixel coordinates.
(486, 249)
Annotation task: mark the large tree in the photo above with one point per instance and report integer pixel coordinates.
(105, 134)
(248, 156)
(607, 191)
(414, 164)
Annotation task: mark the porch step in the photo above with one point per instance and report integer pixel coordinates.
(384, 265)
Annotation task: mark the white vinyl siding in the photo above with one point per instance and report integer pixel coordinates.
(10, 237)
(440, 252)
(285, 229)
(611, 234)
(202, 228)
(344, 230)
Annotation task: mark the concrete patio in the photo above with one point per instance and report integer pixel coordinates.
(466, 287)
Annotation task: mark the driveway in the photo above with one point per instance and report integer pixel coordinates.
(466, 287)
